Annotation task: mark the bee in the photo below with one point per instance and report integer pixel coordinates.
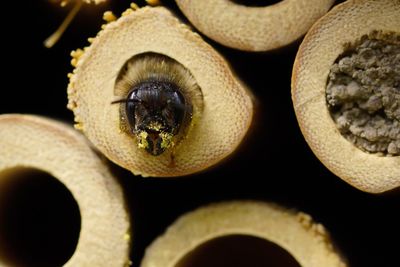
(161, 99)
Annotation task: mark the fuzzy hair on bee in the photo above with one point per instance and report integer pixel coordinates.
(161, 100)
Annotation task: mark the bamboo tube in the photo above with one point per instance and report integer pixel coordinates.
(295, 232)
(33, 142)
(328, 39)
(222, 107)
(254, 28)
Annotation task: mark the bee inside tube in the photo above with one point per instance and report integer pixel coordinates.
(162, 99)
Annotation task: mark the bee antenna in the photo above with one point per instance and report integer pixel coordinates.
(124, 100)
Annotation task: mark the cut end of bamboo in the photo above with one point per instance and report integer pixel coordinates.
(326, 41)
(254, 28)
(39, 157)
(202, 237)
(216, 131)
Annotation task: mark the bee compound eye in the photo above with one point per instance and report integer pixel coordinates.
(207, 106)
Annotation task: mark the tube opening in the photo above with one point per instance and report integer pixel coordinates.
(160, 101)
(238, 251)
(256, 3)
(39, 219)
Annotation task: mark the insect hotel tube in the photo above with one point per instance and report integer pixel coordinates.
(59, 204)
(345, 91)
(254, 28)
(243, 233)
(155, 98)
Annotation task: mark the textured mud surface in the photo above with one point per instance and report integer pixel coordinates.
(363, 94)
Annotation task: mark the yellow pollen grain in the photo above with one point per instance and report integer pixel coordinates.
(127, 237)
(108, 16)
(134, 6)
(129, 263)
(78, 126)
(156, 126)
(126, 12)
(153, 2)
(166, 139)
(143, 140)
(76, 54)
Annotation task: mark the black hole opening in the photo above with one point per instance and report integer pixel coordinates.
(256, 3)
(39, 219)
(238, 251)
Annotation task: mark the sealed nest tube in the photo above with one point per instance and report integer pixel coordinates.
(59, 204)
(346, 92)
(254, 28)
(243, 233)
(154, 98)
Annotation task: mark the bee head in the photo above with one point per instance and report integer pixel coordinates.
(156, 111)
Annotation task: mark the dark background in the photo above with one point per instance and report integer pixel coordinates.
(275, 164)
